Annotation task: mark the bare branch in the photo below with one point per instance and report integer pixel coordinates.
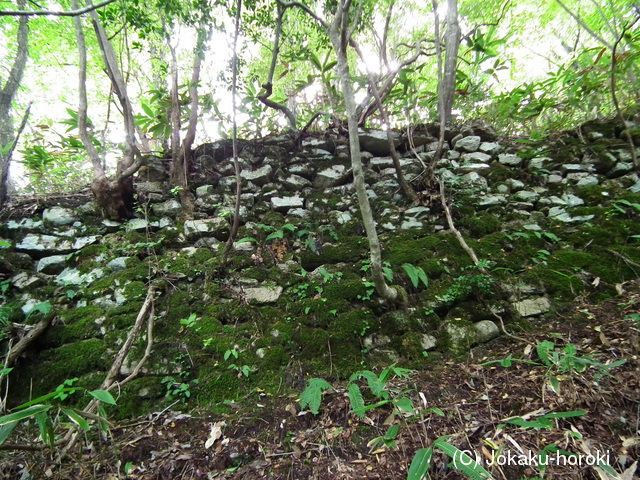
(584, 25)
(54, 13)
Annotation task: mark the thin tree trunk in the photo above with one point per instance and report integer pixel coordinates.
(236, 164)
(340, 36)
(268, 86)
(7, 96)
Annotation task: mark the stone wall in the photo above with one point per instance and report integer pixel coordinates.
(551, 220)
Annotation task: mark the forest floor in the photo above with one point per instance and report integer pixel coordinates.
(498, 413)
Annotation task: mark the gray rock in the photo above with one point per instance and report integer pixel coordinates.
(340, 217)
(25, 224)
(514, 184)
(469, 167)
(118, 264)
(34, 243)
(295, 182)
(170, 208)
(461, 335)
(205, 191)
(330, 177)
(410, 223)
(23, 281)
(588, 180)
(299, 213)
(540, 163)
(532, 306)
(475, 180)
(620, 169)
(327, 145)
(561, 215)
(476, 157)
(468, 144)
(72, 276)
(52, 265)
(137, 225)
(375, 141)
(417, 212)
(554, 179)
(509, 159)
(527, 196)
(486, 330)
(260, 176)
(261, 295)
(428, 342)
(150, 187)
(576, 167)
(210, 227)
(59, 216)
(491, 200)
(491, 148)
(284, 204)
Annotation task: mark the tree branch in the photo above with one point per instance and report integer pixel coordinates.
(54, 13)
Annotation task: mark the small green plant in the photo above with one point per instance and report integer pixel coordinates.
(621, 207)
(469, 283)
(191, 322)
(48, 412)
(180, 388)
(567, 360)
(541, 257)
(241, 370)
(460, 461)
(377, 384)
(416, 275)
(175, 191)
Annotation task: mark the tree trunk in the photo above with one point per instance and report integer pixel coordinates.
(7, 95)
(338, 33)
(115, 197)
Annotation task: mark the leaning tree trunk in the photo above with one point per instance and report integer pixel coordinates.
(7, 95)
(115, 196)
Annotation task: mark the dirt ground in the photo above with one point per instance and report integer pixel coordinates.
(500, 413)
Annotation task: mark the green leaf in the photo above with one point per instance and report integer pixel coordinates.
(420, 464)
(461, 461)
(312, 395)
(103, 396)
(405, 404)
(356, 400)
(46, 428)
(75, 418)
(276, 234)
(247, 239)
(26, 413)
(543, 349)
(576, 413)
(6, 429)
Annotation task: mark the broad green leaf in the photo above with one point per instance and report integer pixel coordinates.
(22, 414)
(312, 395)
(405, 404)
(276, 234)
(420, 464)
(461, 461)
(46, 428)
(6, 429)
(103, 396)
(75, 418)
(356, 400)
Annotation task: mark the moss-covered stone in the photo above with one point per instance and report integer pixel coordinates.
(76, 324)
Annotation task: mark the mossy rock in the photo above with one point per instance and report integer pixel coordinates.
(348, 250)
(458, 336)
(56, 365)
(481, 225)
(140, 397)
(75, 324)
